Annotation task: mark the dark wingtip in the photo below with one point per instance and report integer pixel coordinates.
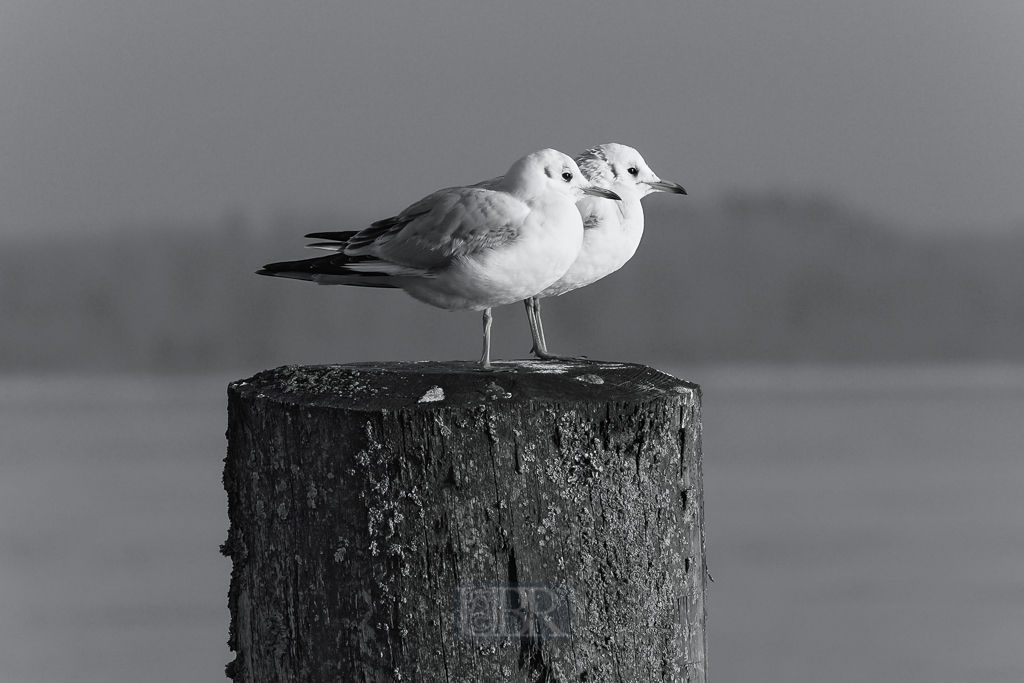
(335, 235)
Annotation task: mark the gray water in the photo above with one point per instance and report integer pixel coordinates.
(864, 524)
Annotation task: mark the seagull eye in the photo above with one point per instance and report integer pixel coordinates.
(567, 176)
(632, 170)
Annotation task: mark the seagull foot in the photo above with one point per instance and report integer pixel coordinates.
(544, 355)
(491, 368)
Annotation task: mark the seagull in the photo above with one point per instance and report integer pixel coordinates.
(612, 230)
(466, 247)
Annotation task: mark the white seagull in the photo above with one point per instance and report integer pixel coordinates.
(612, 230)
(466, 247)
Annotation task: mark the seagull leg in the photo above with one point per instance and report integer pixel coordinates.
(540, 344)
(485, 359)
(531, 315)
(540, 325)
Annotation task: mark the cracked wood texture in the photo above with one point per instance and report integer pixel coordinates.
(363, 498)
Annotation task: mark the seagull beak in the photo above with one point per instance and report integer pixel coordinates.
(666, 186)
(601, 192)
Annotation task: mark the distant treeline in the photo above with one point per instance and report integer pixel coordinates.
(755, 278)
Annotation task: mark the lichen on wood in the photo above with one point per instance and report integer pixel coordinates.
(364, 497)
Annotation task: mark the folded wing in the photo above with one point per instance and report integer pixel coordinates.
(419, 242)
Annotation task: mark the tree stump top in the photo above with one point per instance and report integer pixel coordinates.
(431, 384)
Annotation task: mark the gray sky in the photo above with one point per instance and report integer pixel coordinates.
(114, 111)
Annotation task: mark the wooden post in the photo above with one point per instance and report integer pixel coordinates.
(431, 522)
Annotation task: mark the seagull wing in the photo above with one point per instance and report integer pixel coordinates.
(338, 240)
(601, 213)
(443, 226)
(490, 183)
(589, 212)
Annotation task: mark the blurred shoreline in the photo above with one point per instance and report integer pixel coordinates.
(753, 279)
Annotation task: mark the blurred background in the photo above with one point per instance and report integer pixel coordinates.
(844, 280)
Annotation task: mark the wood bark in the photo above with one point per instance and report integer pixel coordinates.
(375, 507)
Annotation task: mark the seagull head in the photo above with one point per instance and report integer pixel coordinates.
(622, 169)
(549, 170)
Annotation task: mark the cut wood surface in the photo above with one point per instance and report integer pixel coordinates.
(431, 522)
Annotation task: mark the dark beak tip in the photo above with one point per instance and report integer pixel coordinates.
(602, 192)
(667, 186)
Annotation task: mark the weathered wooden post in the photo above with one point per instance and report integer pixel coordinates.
(430, 522)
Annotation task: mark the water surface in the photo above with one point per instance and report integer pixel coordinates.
(864, 524)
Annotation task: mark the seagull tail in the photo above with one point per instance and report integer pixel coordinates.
(340, 269)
